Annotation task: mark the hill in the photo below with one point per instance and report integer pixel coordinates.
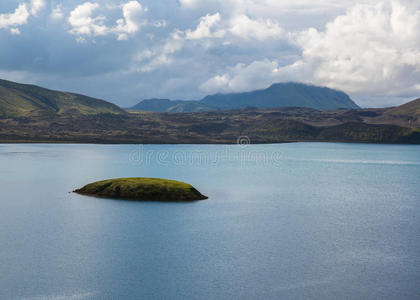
(406, 115)
(278, 95)
(19, 100)
(411, 109)
(274, 125)
(166, 105)
(30, 113)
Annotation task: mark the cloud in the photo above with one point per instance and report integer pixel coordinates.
(160, 23)
(270, 6)
(57, 13)
(371, 50)
(203, 29)
(262, 29)
(20, 16)
(189, 3)
(187, 48)
(36, 6)
(219, 83)
(241, 26)
(151, 60)
(242, 77)
(132, 20)
(293, 15)
(83, 24)
(14, 31)
(211, 31)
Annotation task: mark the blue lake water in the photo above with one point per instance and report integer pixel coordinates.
(286, 221)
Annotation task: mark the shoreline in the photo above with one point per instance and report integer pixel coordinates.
(72, 142)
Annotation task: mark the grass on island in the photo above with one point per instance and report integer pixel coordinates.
(146, 189)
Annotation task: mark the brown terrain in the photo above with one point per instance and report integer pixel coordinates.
(30, 113)
(390, 125)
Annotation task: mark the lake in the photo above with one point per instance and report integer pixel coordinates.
(283, 221)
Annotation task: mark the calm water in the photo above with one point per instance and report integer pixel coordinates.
(289, 221)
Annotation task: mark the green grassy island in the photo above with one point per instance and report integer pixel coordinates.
(144, 189)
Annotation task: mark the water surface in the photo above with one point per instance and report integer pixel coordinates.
(289, 221)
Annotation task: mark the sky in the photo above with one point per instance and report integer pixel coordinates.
(126, 51)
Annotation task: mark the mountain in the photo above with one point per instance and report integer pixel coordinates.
(289, 94)
(30, 113)
(284, 95)
(274, 125)
(270, 125)
(20, 100)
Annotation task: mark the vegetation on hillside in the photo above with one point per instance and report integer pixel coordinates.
(261, 126)
(33, 114)
(145, 189)
(411, 109)
(19, 100)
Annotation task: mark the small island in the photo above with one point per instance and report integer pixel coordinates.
(142, 189)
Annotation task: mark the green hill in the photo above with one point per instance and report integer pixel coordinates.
(20, 100)
(288, 94)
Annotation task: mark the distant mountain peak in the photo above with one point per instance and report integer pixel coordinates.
(284, 94)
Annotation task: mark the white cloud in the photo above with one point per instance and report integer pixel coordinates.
(14, 31)
(213, 30)
(211, 26)
(271, 7)
(20, 16)
(204, 28)
(218, 83)
(242, 26)
(150, 60)
(241, 77)
(36, 6)
(371, 50)
(132, 20)
(262, 29)
(160, 56)
(83, 23)
(189, 3)
(57, 13)
(293, 15)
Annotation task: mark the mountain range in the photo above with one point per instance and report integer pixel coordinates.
(290, 94)
(30, 113)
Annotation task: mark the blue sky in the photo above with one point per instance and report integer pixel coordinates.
(125, 51)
